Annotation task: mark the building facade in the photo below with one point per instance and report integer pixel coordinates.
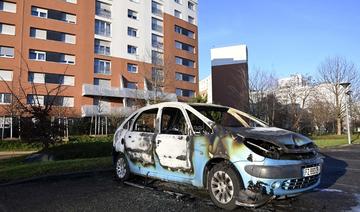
(228, 83)
(103, 52)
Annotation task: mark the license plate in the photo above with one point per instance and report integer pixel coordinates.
(311, 171)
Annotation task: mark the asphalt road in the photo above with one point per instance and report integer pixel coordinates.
(339, 191)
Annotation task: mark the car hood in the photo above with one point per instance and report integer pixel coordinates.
(280, 137)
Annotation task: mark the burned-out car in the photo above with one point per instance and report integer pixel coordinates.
(236, 157)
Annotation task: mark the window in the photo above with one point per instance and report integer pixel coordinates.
(53, 14)
(71, 1)
(185, 92)
(157, 58)
(6, 75)
(156, 8)
(5, 98)
(131, 85)
(51, 78)
(52, 35)
(157, 74)
(61, 101)
(102, 82)
(185, 77)
(184, 31)
(157, 41)
(132, 14)
(156, 25)
(191, 20)
(103, 10)
(199, 127)
(6, 51)
(133, 68)
(185, 62)
(173, 122)
(102, 28)
(38, 12)
(132, 32)
(184, 46)
(177, 14)
(7, 6)
(51, 57)
(7, 29)
(191, 5)
(131, 49)
(146, 121)
(102, 66)
(102, 47)
(178, 1)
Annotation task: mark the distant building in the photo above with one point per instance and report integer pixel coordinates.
(228, 83)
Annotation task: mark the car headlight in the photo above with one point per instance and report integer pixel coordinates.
(263, 148)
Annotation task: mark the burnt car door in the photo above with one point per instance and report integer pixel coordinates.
(172, 142)
(139, 139)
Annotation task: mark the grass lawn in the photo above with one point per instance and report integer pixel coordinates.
(15, 169)
(327, 141)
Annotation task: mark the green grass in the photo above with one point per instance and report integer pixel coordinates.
(327, 141)
(17, 145)
(15, 169)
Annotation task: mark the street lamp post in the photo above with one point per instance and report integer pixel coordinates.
(347, 93)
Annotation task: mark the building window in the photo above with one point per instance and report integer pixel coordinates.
(185, 62)
(62, 79)
(133, 68)
(102, 47)
(7, 6)
(184, 46)
(102, 28)
(38, 12)
(7, 29)
(6, 51)
(102, 66)
(102, 82)
(157, 41)
(131, 49)
(191, 5)
(5, 98)
(37, 55)
(103, 10)
(53, 14)
(132, 32)
(177, 14)
(184, 31)
(191, 20)
(178, 1)
(132, 14)
(156, 25)
(6, 75)
(185, 77)
(185, 92)
(131, 85)
(157, 74)
(157, 58)
(52, 35)
(61, 101)
(156, 8)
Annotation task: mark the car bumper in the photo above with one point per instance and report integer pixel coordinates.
(276, 178)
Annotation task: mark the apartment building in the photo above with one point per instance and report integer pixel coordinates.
(105, 52)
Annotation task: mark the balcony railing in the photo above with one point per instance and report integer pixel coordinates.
(103, 13)
(97, 90)
(92, 110)
(157, 28)
(156, 11)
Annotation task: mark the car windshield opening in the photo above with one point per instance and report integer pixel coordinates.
(219, 115)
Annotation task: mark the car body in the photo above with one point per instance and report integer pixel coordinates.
(238, 158)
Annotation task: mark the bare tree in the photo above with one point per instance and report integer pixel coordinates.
(333, 71)
(36, 105)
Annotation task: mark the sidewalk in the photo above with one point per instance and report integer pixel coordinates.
(11, 154)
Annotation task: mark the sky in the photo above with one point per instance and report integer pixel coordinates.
(283, 36)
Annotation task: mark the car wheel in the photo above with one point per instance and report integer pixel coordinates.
(122, 171)
(223, 185)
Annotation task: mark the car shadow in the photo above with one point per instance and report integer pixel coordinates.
(333, 170)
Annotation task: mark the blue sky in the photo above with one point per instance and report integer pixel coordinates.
(283, 36)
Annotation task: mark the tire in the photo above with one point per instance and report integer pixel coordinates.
(122, 170)
(223, 184)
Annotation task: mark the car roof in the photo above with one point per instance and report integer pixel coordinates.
(169, 104)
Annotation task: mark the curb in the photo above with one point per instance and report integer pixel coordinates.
(58, 176)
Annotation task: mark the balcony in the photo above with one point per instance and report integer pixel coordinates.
(92, 110)
(156, 11)
(103, 13)
(97, 90)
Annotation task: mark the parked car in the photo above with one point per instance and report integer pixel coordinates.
(236, 157)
